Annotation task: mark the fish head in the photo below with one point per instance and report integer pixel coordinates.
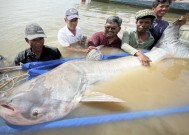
(31, 107)
(38, 101)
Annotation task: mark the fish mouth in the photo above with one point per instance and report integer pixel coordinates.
(7, 107)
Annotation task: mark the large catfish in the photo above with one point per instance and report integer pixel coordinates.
(53, 95)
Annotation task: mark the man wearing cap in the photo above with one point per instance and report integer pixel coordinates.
(160, 8)
(71, 34)
(34, 36)
(140, 39)
(108, 37)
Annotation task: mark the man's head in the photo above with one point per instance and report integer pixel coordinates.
(144, 19)
(34, 36)
(33, 31)
(71, 18)
(112, 26)
(161, 7)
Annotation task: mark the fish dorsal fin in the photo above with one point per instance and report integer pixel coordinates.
(95, 54)
(100, 47)
(99, 97)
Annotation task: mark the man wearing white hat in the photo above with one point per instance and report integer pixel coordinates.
(71, 34)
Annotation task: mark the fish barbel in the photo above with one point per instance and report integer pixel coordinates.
(53, 95)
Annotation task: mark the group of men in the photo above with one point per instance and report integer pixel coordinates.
(149, 28)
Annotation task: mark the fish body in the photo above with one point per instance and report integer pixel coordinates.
(53, 95)
(170, 43)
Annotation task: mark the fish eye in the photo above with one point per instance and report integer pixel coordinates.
(35, 113)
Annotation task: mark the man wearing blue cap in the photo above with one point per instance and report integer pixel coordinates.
(34, 36)
(71, 33)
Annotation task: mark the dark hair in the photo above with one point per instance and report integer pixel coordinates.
(148, 16)
(114, 19)
(157, 2)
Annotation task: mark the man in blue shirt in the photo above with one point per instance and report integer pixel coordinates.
(160, 8)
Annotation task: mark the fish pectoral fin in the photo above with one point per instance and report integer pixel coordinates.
(99, 97)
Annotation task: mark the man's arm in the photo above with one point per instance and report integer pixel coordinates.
(19, 59)
(125, 44)
(128, 48)
(94, 40)
(58, 54)
(62, 39)
(85, 50)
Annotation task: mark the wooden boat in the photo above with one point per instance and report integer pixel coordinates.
(182, 6)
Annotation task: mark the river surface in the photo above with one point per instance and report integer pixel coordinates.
(164, 84)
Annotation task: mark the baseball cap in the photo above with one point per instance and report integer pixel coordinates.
(33, 31)
(145, 13)
(71, 14)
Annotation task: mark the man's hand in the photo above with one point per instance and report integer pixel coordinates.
(83, 40)
(88, 49)
(181, 21)
(145, 60)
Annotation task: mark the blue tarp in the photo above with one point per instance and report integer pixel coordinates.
(37, 68)
(76, 122)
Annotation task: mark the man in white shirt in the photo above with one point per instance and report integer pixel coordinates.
(71, 33)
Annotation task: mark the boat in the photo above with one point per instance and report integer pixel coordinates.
(181, 6)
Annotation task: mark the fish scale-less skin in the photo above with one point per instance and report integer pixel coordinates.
(53, 95)
(169, 43)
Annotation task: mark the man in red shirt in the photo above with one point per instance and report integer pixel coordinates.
(108, 37)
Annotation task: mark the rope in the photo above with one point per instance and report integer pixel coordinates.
(76, 122)
(9, 80)
(9, 69)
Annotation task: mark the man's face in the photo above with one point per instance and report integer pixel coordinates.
(161, 9)
(72, 24)
(143, 24)
(36, 44)
(111, 30)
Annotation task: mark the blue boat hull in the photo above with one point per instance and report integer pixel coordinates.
(178, 6)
